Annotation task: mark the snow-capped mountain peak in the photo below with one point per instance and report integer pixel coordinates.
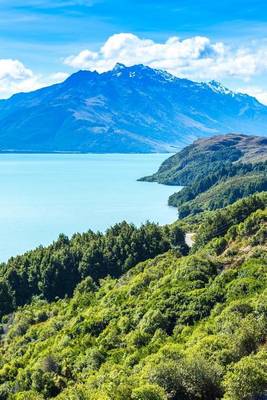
(128, 109)
(219, 88)
(118, 67)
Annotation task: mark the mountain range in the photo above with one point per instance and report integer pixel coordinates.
(127, 109)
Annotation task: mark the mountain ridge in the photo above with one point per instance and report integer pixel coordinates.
(127, 109)
(215, 172)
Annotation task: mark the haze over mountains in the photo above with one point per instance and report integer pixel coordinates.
(128, 109)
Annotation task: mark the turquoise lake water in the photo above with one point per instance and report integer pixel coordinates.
(43, 195)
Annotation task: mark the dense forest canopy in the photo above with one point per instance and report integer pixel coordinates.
(136, 314)
(190, 327)
(215, 172)
(54, 271)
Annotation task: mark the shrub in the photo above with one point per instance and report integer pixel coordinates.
(247, 379)
(148, 392)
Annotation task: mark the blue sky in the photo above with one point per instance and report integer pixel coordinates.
(43, 41)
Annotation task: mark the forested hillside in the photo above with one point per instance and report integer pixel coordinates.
(54, 271)
(215, 172)
(189, 327)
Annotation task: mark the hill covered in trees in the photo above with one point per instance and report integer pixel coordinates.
(215, 172)
(133, 313)
(54, 271)
(180, 326)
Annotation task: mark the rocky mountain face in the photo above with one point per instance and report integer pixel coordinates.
(128, 109)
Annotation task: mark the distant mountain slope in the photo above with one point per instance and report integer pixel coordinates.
(215, 172)
(128, 109)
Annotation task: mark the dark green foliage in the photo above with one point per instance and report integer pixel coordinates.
(171, 328)
(55, 271)
(215, 172)
(184, 380)
(217, 223)
(223, 193)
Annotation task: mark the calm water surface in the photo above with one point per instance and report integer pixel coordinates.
(43, 195)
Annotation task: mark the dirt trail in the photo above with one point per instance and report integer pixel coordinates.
(189, 239)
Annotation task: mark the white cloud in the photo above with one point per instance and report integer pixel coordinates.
(55, 78)
(194, 58)
(15, 77)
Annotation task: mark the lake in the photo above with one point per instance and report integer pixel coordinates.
(43, 195)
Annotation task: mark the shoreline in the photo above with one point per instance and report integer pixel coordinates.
(80, 152)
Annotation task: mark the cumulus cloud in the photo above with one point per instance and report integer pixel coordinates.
(195, 58)
(15, 77)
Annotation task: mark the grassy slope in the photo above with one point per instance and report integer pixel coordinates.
(173, 327)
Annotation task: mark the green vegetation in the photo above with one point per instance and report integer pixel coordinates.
(215, 172)
(176, 327)
(134, 313)
(226, 192)
(55, 271)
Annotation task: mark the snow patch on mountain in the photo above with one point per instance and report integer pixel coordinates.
(219, 88)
